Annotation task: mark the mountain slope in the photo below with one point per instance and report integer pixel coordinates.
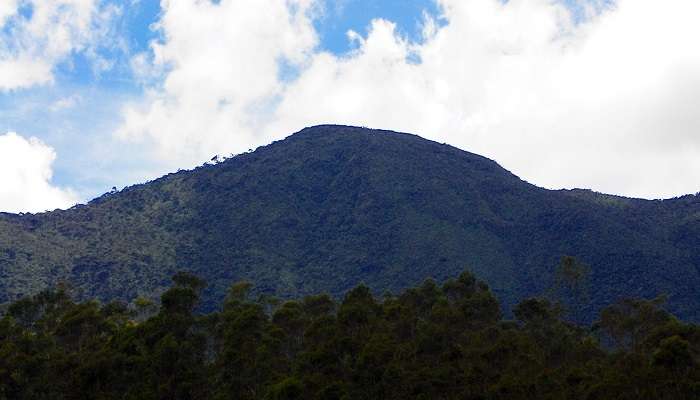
(332, 206)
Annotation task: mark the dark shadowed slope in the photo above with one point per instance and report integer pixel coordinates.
(332, 206)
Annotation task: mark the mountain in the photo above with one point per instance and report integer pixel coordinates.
(333, 206)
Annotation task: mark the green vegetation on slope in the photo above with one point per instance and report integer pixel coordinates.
(331, 207)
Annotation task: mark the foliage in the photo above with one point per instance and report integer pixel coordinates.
(428, 342)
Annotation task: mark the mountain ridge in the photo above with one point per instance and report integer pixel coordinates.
(332, 206)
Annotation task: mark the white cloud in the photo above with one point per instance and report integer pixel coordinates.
(609, 103)
(25, 173)
(33, 43)
(65, 103)
(223, 65)
(7, 8)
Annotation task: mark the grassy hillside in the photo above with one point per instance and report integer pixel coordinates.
(333, 206)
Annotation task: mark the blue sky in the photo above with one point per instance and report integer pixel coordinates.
(78, 133)
(356, 15)
(492, 77)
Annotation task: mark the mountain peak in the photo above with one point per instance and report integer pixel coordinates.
(332, 206)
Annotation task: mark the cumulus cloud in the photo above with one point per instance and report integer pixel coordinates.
(36, 35)
(25, 173)
(608, 102)
(222, 63)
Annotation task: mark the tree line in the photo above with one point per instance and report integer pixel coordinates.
(433, 341)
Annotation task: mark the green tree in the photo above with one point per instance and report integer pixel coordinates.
(572, 286)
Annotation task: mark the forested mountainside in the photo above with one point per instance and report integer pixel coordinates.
(333, 206)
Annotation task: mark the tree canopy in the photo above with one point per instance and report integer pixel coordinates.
(432, 341)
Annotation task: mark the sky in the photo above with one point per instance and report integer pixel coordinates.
(596, 94)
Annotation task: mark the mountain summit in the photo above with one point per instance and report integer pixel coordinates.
(333, 206)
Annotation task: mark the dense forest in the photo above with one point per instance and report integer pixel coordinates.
(331, 207)
(431, 341)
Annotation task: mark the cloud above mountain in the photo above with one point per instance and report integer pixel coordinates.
(25, 173)
(598, 94)
(221, 78)
(606, 102)
(37, 35)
